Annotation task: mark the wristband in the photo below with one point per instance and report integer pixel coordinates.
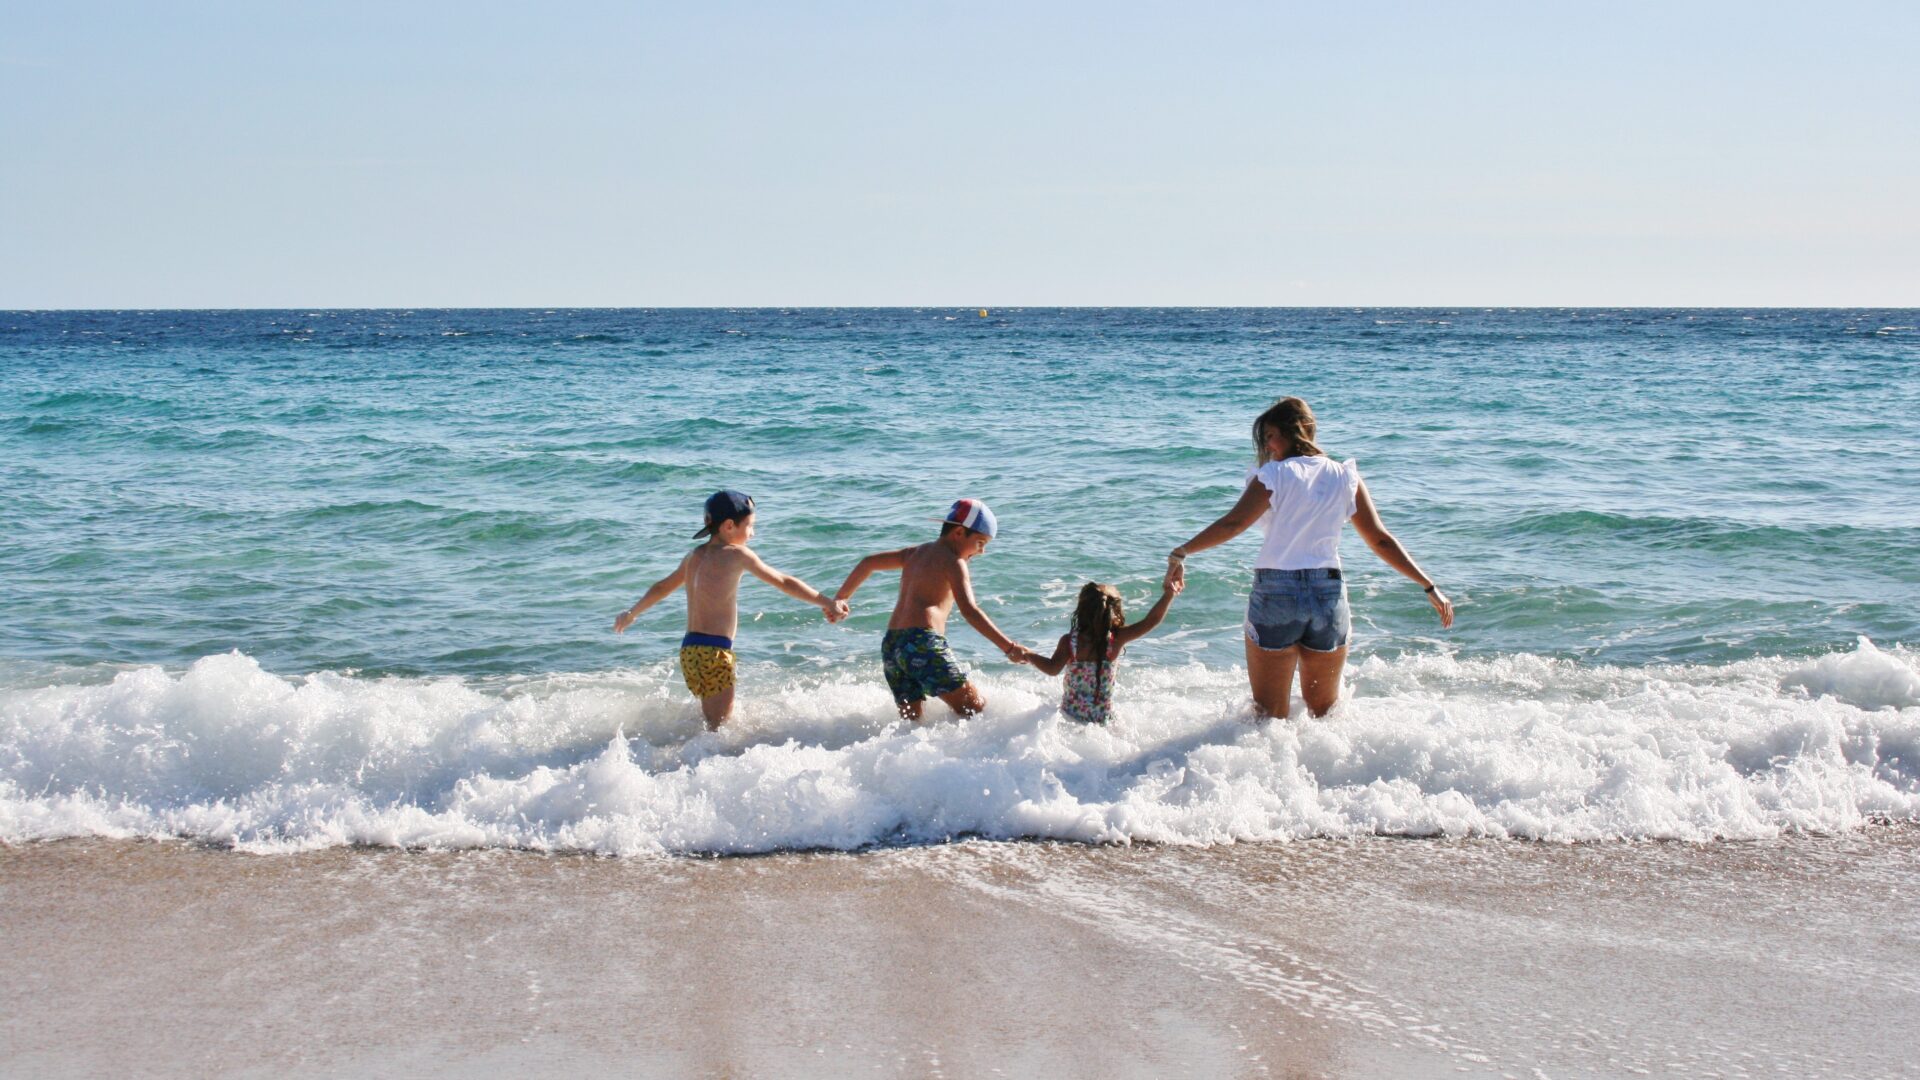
(1429, 589)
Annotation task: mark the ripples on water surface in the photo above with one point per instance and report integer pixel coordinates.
(471, 495)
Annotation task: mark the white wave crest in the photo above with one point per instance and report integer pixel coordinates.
(1516, 746)
(1865, 677)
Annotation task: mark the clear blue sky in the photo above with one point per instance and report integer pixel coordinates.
(423, 154)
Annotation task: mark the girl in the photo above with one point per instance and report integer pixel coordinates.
(1087, 652)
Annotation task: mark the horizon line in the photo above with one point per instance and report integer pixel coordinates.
(964, 307)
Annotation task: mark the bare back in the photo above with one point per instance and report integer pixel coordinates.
(926, 588)
(713, 582)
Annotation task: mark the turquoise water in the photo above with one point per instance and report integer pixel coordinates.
(286, 580)
(462, 492)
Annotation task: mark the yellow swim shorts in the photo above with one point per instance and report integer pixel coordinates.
(706, 664)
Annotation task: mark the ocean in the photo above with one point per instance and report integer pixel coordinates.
(296, 580)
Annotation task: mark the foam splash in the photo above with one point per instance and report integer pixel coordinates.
(1511, 747)
(1865, 677)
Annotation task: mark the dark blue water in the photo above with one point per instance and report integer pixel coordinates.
(479, 492)
(288, 580)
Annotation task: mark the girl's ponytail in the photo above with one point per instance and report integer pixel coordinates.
(1098, 611)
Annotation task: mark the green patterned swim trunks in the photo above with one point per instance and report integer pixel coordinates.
(919, 665)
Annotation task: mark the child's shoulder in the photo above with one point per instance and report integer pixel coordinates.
(721, 554)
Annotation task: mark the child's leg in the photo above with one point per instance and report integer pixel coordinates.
(943, 676)
(717, 708)
(896, 663)
(708, 671)
(966, 701)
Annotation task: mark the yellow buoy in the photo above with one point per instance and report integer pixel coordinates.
(983, 313)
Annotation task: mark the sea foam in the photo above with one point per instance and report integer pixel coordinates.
(1513, 746)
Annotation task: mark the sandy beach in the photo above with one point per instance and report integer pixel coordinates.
(1310, 959)
(1058, 541)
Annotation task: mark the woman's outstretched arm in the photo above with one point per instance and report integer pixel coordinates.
(1253, 502)
(1366, 522)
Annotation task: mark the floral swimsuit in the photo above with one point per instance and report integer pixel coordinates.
(1089, 693)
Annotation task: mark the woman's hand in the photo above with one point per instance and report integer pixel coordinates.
(1176, 578)
(1442, 605)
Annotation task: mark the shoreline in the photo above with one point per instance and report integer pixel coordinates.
(1323, 958)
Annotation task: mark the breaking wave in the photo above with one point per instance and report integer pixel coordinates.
(1516, 746)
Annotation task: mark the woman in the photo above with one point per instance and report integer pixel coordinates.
(1297, 616)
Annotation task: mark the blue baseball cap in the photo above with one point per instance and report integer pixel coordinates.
(723, 506)
(973, 514)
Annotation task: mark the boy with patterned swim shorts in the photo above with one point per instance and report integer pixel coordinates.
(711, 573)
(933, 579)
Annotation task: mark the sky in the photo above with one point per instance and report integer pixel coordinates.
(1001, 154)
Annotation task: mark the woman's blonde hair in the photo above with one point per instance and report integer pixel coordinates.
(1095, 617)
(1290, 417)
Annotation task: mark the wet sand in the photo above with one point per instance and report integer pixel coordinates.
(1312, 959)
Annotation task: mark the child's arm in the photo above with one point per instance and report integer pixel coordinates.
(835, 609)
(1169, 588)
(885, 560)
(1057, 663)
(962, 583)
(656, 592)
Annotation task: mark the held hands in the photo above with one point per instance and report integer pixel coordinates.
(1176, 572)
(1019, 654)
(1442, 605)
(834, 610)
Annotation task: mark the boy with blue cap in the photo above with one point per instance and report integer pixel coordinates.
(933, 579)
(711, 573)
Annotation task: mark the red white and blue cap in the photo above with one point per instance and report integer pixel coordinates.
(973, 514)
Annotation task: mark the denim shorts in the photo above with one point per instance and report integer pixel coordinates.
(1307, 608)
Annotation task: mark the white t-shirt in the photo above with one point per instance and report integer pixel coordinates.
(1312, 497)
